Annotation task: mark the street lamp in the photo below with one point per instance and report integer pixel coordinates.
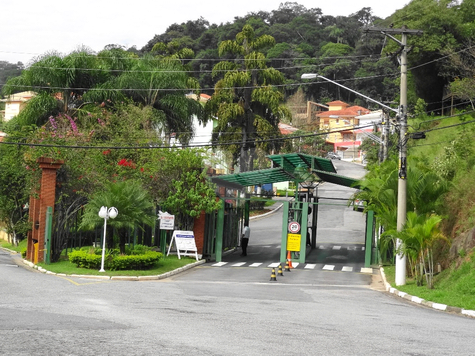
(315, 75)
(106, 214)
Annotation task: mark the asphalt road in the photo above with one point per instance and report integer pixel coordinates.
(222, 311)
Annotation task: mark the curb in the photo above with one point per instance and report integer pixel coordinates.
(257, 217)
(417, 300)
(118, 278)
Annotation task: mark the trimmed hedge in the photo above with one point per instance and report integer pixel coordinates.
(115, 262)
(83, 259)
(137, 262)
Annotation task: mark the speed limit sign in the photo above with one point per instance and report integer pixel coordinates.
(294, 227)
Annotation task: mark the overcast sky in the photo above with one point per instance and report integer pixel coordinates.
(31, 27)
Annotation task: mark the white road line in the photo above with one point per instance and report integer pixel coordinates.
(347, 269)
(239, 264)
(329, 267)
(321, 247)
(273, 265)
(310, 266)
(366, 270)
(219, 264)
(336, 248)
(362, 249)
(295, 264)
(255, 264)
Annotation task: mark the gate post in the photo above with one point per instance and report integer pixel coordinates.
(48, 228)
(219, 233)
(285, 223)
(303, 233)
(369, 237)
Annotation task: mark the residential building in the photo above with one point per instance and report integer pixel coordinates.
(15, 103)
(340, 122)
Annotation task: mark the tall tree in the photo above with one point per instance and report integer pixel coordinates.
(161, 83)
(60, 82)
(245, 101)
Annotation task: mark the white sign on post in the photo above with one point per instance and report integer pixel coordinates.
(167, 221)
(185, 244)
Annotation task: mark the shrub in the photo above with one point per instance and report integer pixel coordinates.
(84, 259)
(135, 262)
(114, 261)
(137, 250)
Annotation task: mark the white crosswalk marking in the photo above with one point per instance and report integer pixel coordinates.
(366, 270)
(219, 264)
(310, 266)
(255, 264)
(336, 247)
(239, 264)
(295, 264)
(274, 265)
(329, 267)
(321, 247)
(347, 269)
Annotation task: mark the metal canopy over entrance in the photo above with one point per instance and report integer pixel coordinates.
(289, 167)
(295, 167)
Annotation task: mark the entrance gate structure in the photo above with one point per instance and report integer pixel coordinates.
(298, 168)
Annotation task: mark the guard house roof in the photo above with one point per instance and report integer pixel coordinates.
(286, 165)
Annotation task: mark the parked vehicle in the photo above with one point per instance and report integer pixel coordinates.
(332, 155)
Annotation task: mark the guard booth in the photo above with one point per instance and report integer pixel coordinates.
(306, 171)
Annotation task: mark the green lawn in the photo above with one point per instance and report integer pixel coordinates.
(453, 287)
(166, 264)
(21, 246)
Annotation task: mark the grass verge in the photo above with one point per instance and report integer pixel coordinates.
(21, 246)
(454, 286)
(166, 264)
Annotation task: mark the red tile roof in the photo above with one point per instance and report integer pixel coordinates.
(286, 129)
(337, 103)
(349, 111)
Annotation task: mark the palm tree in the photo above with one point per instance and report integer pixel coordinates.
(161, 83)
(419, 236)
(60, 82)
(379, 189)
(131, 200)
(246, 103)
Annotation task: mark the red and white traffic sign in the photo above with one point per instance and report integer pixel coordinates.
(294, 227)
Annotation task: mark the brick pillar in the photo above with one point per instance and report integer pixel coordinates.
(199, 232)
(39, 205)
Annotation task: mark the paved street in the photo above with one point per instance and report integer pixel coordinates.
(229, 310)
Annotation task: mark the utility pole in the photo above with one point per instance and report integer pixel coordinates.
(402, 116)
(385, 136)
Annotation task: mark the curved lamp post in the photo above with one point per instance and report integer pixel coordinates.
(106, 214)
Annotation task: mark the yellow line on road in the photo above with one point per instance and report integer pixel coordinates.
(82, 284)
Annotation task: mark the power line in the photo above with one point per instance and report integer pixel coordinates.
(151, 146)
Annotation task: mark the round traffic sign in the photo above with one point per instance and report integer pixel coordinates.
(294, 227)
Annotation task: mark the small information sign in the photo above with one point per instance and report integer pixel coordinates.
(293, 242)
(167, 221)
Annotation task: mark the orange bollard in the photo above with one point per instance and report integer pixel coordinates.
(289, 258)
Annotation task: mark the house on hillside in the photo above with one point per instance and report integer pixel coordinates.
(202, 137)
(15, 103)
(340, 121)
